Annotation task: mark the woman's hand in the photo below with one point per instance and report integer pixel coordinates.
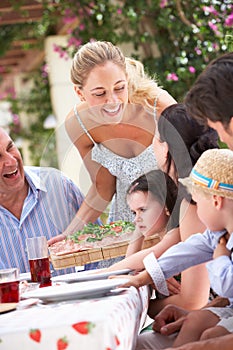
(56, 239)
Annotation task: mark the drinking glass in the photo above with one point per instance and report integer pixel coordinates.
(37, 250)
(9, 285)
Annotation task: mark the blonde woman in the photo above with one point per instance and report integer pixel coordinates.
(114, 137)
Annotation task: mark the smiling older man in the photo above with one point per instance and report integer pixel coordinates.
(34, 201)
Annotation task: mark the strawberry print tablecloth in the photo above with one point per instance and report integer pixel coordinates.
(108, 323)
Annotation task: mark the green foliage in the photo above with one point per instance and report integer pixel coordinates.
(188, 35)
(36, 104)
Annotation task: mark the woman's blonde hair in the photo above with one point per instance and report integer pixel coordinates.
(142, 89)
(94, 54)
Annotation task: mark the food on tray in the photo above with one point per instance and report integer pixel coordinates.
(94, 236)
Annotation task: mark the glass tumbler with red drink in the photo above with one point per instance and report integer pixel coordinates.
(9, 285)
(37, 250)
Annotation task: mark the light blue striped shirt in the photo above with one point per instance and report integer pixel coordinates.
(51, 204)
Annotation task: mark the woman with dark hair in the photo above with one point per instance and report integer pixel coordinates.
(178, 143)
(184, 138)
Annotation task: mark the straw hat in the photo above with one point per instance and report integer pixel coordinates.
(212, 173)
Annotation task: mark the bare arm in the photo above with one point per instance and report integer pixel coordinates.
(135, 246)
(164, 100)
(103, 183)
(135, 261)
(194, 281)
(224, 342)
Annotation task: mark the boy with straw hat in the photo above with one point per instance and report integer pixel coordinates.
(212, 180)
(211, 183)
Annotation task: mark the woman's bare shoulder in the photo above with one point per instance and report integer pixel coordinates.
(76, 132)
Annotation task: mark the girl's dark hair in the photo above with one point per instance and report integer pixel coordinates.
(160, 185)
(187, 139)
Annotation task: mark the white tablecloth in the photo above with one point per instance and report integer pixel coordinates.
(107, 323)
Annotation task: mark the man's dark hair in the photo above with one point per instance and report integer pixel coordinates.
(211, 96)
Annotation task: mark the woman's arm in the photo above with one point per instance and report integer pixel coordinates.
(103, 183)
(135, 246)
(194, 281)
(135, 261)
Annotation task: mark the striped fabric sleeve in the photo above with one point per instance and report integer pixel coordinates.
(152, 267)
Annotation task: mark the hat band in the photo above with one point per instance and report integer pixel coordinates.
(204, 181)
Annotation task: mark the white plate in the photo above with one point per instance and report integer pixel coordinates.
(25, 276)
(90, 275)
(75, 291)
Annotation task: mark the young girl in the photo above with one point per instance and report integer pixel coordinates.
(152, 198)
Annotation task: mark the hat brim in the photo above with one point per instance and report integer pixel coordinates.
(190, 186)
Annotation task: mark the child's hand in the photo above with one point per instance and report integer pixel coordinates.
(173, 286)
(138, 280)
(129, 281)
(218, 302)
(221, 248)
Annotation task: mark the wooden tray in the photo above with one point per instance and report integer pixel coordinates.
(93, 255)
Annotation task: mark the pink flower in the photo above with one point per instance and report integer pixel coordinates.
(74, 42)
(44, 70)
(229, 20)
(214, 27)
(163, 3)
(68, 20)
(82, 26)
(69, 17)
(62, 53)
(119, 11)
(210, 9)
(215, 46)
(198, 51)
(192, 69)
(15, 119)
(172, 77)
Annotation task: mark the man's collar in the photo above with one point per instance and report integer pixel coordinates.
(34, 181)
